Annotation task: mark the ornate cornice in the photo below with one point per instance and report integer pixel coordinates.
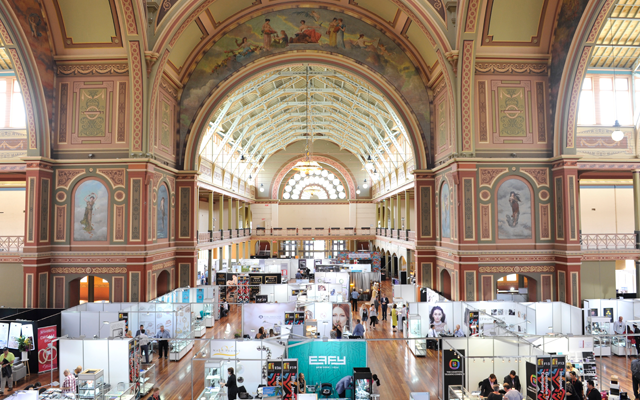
(93, 69)
(511, 68)
(89, 270)
(517, 269)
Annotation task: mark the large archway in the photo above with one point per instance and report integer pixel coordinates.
(445, 284)
(163, 285)
(88, 289)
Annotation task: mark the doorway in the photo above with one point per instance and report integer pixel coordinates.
(445, 283)
(163, 285)
(88, 289)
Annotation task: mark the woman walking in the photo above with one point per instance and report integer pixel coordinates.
(394, 317)
(364, 313)
(373, 314)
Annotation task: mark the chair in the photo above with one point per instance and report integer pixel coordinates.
(326, 390)
(18, 370)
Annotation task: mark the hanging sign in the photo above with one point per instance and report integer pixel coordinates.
(453, 369)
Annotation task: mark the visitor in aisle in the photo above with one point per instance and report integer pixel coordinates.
(592, 392)
(394, 317)
(77, 371)
(458, 332)
(144, 344)
(512, 393)
(225, 308)
(354, 300)
(69, 384)
(577, 385)
(495, 394)
(635, 376)
(6, 359)
(302, 384)
(486, 387)
(358, 330)
(384, 302)
(373, 317)
(232, 386)
(403, 316)
(376, 303)
(364, 312)
(155, 395)
(513, 380)
(571, 368)
(636, 331)
(140, 330)
(163, 344)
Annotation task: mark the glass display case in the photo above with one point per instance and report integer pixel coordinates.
(212, 381)
(419, 396)
(599, 327)
(91, 384)
(179, 348)
(198, 328)
(147, 379)
(127, 393)
(362, 384)
(55, 394)
(457, 392)
(310, 328)
(620, 346)
(414, 328)
(207, 313)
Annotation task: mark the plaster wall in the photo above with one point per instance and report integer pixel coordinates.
(312, 216)
(12, 295)
(606, 209)
(598, 280)
(12, 205)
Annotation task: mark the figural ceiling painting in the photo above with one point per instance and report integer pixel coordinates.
(307, 30)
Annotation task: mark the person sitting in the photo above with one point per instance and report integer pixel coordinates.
(486, 386)
(432, 337)
(260, 334)
(513, 380)
(512, 393)
(495, 394)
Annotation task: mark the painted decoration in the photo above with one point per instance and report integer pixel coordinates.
(445, 212)
(90, 217)
(514, 210)
(162, 224)
(512, 111)
(297, 30)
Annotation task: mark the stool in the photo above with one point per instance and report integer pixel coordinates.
(26, 364)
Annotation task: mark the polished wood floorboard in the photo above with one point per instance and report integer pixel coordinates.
(399, 371)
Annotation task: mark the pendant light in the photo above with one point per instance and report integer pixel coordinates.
(365, 184)
(261, 187)
(358, 190)
(617, 134)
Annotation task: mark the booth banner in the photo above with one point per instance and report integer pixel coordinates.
(298, 318)
(302, 263)
(558, 364)
(329, 361)
(134, 365)
(608, 312)
(262, 298)
(200, 296)
(4, 334)
(185, 296)
(341, 316)
(473, 322)
(14, 333)
(123, 316)
(453, 370)
(47, 358)
(289, 378)
(289, 318)
(27, 331)
(543, 379)
(274, 373)
(532, 384)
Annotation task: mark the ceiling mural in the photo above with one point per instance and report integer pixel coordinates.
(306, 30)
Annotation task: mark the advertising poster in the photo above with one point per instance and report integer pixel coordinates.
(262, 298)
(453, 370)
(341, 316)
(289, 318)
(199, 295)
(289, 378)
(14, 333)
(543, 378)
(608, 312)
(124, 317)
(298, 318)
(47, 357)
(329, 361)
(4, 334)
(473, 322)
(274, 373)
(532, 385)
(557, 376)
(256, 315)
(27, 331)
(185, 296)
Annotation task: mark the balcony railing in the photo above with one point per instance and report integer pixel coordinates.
(208, 237)
(11, 243)
(312, 232)
(608, 241)
(400, 234)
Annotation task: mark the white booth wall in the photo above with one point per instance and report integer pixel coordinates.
(111, 356)
(405, 292)
(627, 308)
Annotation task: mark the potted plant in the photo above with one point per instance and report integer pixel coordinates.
(237, 335)
(24, 345)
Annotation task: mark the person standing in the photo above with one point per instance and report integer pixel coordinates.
(384, 302)
(358, 330)
(232, 386)
(6, 359)
(302, 384)
(636, 332)
(619, 326)
(373, 316)
(140, 330)
(163, 344)
(354, 300)
(376, 303)
(635, 376)
(513, 380)
(592, 392)
(577, 385)
(69, 384)
(394, 317)
(364, 312)
(156, 394)
(144, 343)
(267, 31)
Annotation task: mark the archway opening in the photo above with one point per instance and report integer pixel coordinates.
(517, 287)
(445, 284)
(163, 285)
(88, 289)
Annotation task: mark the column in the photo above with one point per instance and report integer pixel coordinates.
(386, 264)
(230, 215)
(378, 215)
(636, 220)
(237, 214)
(392, 213)
(248, 215)
(229, 256)
(238, 256)
(220, 258)
(210, 267)
(221, 215)
(211, 213)
(384, 213)
(398, 214)
(247, 245)
(407, 212)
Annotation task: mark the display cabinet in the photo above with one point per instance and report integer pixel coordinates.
(56, 394)
(599, 327)
(457, 392)
(362, 384)
(91, 384)
(179, 348)
(310, 328)
(620, 346)
(212, 381)
(208, 316)
(127, 393)
(198, 328)
(148, 379)
(419, 396)
(414, 331)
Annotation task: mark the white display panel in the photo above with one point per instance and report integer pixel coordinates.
(70, 356)
(27, 331)
(14, 333)
(267, 315)
(4, 334)
(118, 362)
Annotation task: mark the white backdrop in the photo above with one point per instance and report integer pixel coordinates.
(264, 315)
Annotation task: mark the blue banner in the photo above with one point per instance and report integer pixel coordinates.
(185, 296)
(199, 295)
(328, 362)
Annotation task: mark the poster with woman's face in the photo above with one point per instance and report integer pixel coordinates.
(438, 317)
(341, 316)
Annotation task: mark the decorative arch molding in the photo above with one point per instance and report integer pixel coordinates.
(321, 159)
(418, 137)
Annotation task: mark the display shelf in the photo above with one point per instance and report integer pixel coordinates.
(199, 331)
(148, 379)
(414, 330)
(208, 318)
(212, 382)
(179, 349)
(56, 394)
(457, 392)
(121, 394)
(91, 384)
(585, 363)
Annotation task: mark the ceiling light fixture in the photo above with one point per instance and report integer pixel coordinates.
(365, 184)
(242, 157)
(358, 190)
(306, 166)
(617, 134)
(261, 187)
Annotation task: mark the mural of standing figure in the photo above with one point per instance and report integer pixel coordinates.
(163, 212)
(86, 222)
(267, 31)
(514, 200)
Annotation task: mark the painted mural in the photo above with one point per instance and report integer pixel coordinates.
(90, 215)
(445, 211)
(514, 210)
(162, 223)
(307, 30)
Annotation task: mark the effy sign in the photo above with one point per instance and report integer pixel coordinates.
(331, 360)
(47, 357)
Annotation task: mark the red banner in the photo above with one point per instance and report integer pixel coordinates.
(47, 358)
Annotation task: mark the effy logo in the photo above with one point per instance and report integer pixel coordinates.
(331, 360)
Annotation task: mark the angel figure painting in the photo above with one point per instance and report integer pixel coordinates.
(514, 210)
(445, 212)
(91, 206)
(162, 224)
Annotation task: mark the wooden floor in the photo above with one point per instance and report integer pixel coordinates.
(399, 371)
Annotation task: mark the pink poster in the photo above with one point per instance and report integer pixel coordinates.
(47, 357)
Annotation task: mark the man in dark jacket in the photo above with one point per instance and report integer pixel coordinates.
(592, 392)
(513, 380)
(486, 387)
(577, 385)
(384, 302)
(635, 376)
